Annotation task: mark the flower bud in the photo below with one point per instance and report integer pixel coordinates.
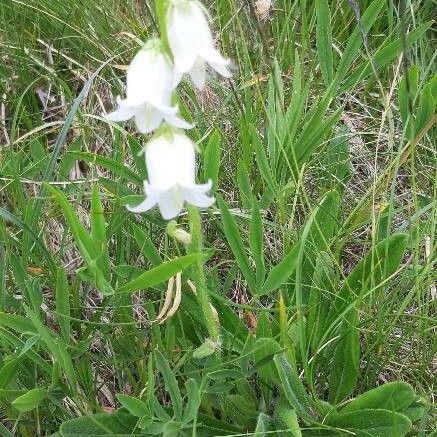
(178, 233)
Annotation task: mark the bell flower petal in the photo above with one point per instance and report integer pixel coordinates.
(171, 168)
(198, 73)
(122, 113)
(178, 122)
(147, 119)
(197, 195)
(191, 41)
(170, 203)
(151, 79)
(188, 33)
(218, 62)
(150, 76)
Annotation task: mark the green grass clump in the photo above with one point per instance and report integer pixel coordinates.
(319, 254)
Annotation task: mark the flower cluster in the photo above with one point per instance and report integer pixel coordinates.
(152, 78)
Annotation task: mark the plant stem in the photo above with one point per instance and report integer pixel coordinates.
(199, 275)
(161, 10)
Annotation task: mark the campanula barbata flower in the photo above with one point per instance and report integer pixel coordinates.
(171, 168)
(150, 83)
(191, 42)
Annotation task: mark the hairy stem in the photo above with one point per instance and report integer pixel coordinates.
(199, 275)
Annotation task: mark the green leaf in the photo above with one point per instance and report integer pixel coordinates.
(204, 350)
(418, 410)
(150, 390)
(56, 348)
(243, 406)
(30, 400)
(385, 55)
(98, 232)
(287, 418)
(262, 425)
(212, 159)
(9, 217)
(372, 422)
(325, 221)
(20, 345)
(147, 247)
(262, 161)
(236, 243)
(314, 132)
(244, 185)
(324, 40)
(321, 291)
(18, 323)
(136, 151)
(171, 429)
(292, 387)
(68, 162)
(35, 294)
(194, 399)
(159, 274)
(264, 349)
(115, 166)
(135, 406)
(335, 160)
(63, 304)
(28, 345)
(393, 396)
(345, 364)
(102, 424)
(296, 107)
(60, 142)
(380, 263)
(279, 274)
(407, 92)
(355, 41)
(256, 237)
(84, 241)
(170, 384)
(10, 367)
(426, 108)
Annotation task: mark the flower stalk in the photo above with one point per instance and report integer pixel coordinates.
(196, 246)
(185, 46)
(161, 9)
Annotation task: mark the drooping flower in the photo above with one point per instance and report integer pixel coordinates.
(171, 168)
(151, 79)
(191, 41)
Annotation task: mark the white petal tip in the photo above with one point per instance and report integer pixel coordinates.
(147, 204)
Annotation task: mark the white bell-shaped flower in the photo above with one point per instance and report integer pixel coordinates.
(191, 42)
(151, 79)
(171, 167)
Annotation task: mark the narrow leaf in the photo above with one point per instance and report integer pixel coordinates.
(236, 243)
(292, 387)
(110, 164)
(345, 364)
(30, 400)
(372, 422)
(324, 39)
(256, 237)
(170, 384)
(135, 406)
(63, 304)
(212, 159)
(159, 274)
(393, 396)
(281, 272)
